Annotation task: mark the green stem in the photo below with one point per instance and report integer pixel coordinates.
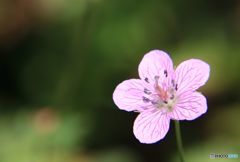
(179, 140)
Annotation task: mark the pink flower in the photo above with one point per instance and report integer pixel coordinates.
(162, 93)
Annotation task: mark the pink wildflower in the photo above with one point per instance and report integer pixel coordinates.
(162, 93)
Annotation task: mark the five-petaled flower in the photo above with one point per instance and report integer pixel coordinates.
(162, 94)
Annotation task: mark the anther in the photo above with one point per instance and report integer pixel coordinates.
(153, 102)
(173, 82)
(156, 79)
(146, 91)
(145, 99)
(176, 87)
(146, 80)
(165, 73)
(172, 97)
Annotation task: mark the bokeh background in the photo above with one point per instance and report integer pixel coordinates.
(60, 61)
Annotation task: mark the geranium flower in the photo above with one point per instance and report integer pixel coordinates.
(162, 93)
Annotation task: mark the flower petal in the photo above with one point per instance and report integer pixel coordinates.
(155, 63)
(151, 126)
(128, 95)
(191, 74)
(190, 105)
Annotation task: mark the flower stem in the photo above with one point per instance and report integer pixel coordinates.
(179, 140)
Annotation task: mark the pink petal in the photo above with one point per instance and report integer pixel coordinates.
(191, 74)
(151, 126)
(190, 105)
(128, 95)
(154, 64)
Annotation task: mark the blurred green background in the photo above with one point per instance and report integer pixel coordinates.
(60, 61)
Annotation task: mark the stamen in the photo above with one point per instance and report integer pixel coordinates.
(165, 73)
(154, 102)
(176, 87)
(146, 80)
(173, 82)
(165, 102)
(156, 78)
(146, 91)
(145, 99)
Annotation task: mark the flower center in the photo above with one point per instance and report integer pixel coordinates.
(163, 96)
